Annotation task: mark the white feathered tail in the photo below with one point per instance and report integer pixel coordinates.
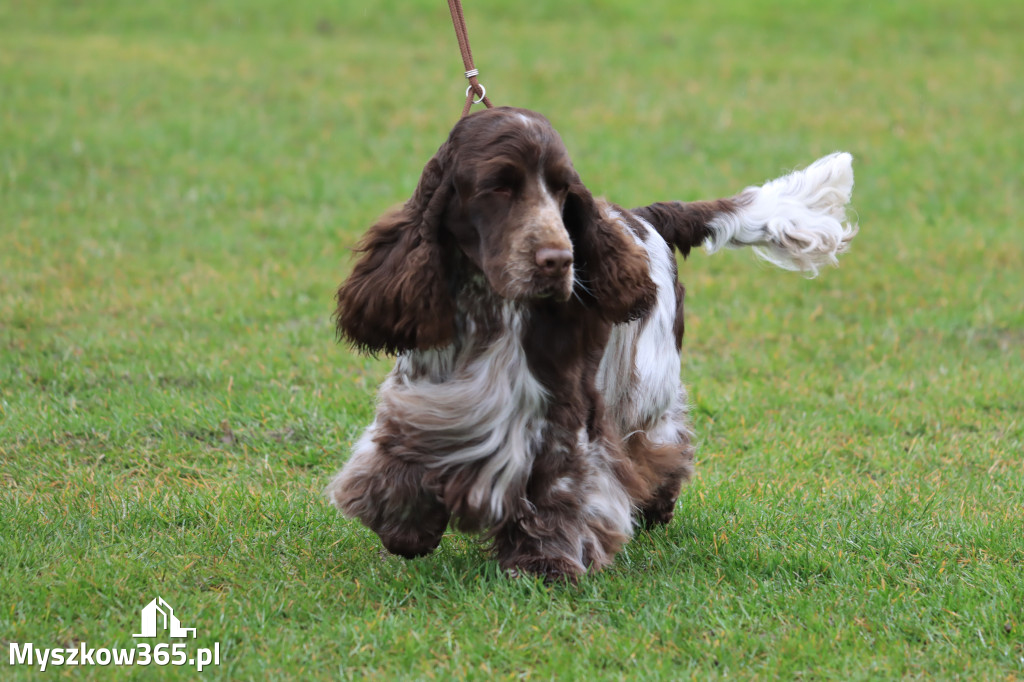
(797, 222)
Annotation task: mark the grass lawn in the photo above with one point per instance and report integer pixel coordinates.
(180, 185)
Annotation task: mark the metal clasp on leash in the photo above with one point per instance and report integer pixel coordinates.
(473, 73)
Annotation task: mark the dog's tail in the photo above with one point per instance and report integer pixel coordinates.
(797, 222)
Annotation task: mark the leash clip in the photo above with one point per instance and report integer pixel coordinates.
(482, 94)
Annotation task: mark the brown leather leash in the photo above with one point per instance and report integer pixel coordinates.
(475, 89)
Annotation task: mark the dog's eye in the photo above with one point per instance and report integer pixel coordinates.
(558, 186)
(502, 191)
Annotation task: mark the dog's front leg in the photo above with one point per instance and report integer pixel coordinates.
(397, 499)
(546, 532)
(545, 543)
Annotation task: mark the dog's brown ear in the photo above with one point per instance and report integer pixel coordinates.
(398, 297)
(612, 271)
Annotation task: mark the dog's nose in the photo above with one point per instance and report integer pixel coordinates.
(553, 262)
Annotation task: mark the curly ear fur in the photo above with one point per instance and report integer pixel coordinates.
(612, 269)
(397, 297)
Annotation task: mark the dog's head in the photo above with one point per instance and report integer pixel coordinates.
(503, 191)
(511, 175)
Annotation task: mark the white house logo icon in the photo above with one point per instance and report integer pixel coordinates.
(159, 612)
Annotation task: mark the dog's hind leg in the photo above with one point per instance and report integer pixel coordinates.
(662, 456)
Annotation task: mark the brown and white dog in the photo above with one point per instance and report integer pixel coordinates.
(536, 396)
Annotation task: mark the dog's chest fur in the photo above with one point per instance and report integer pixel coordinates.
(473, 410)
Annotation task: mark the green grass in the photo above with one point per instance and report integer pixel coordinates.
(180, 184)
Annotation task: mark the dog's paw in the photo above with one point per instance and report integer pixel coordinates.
(411, 543)
(549, 569)
(660, 509)
(656, 515)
